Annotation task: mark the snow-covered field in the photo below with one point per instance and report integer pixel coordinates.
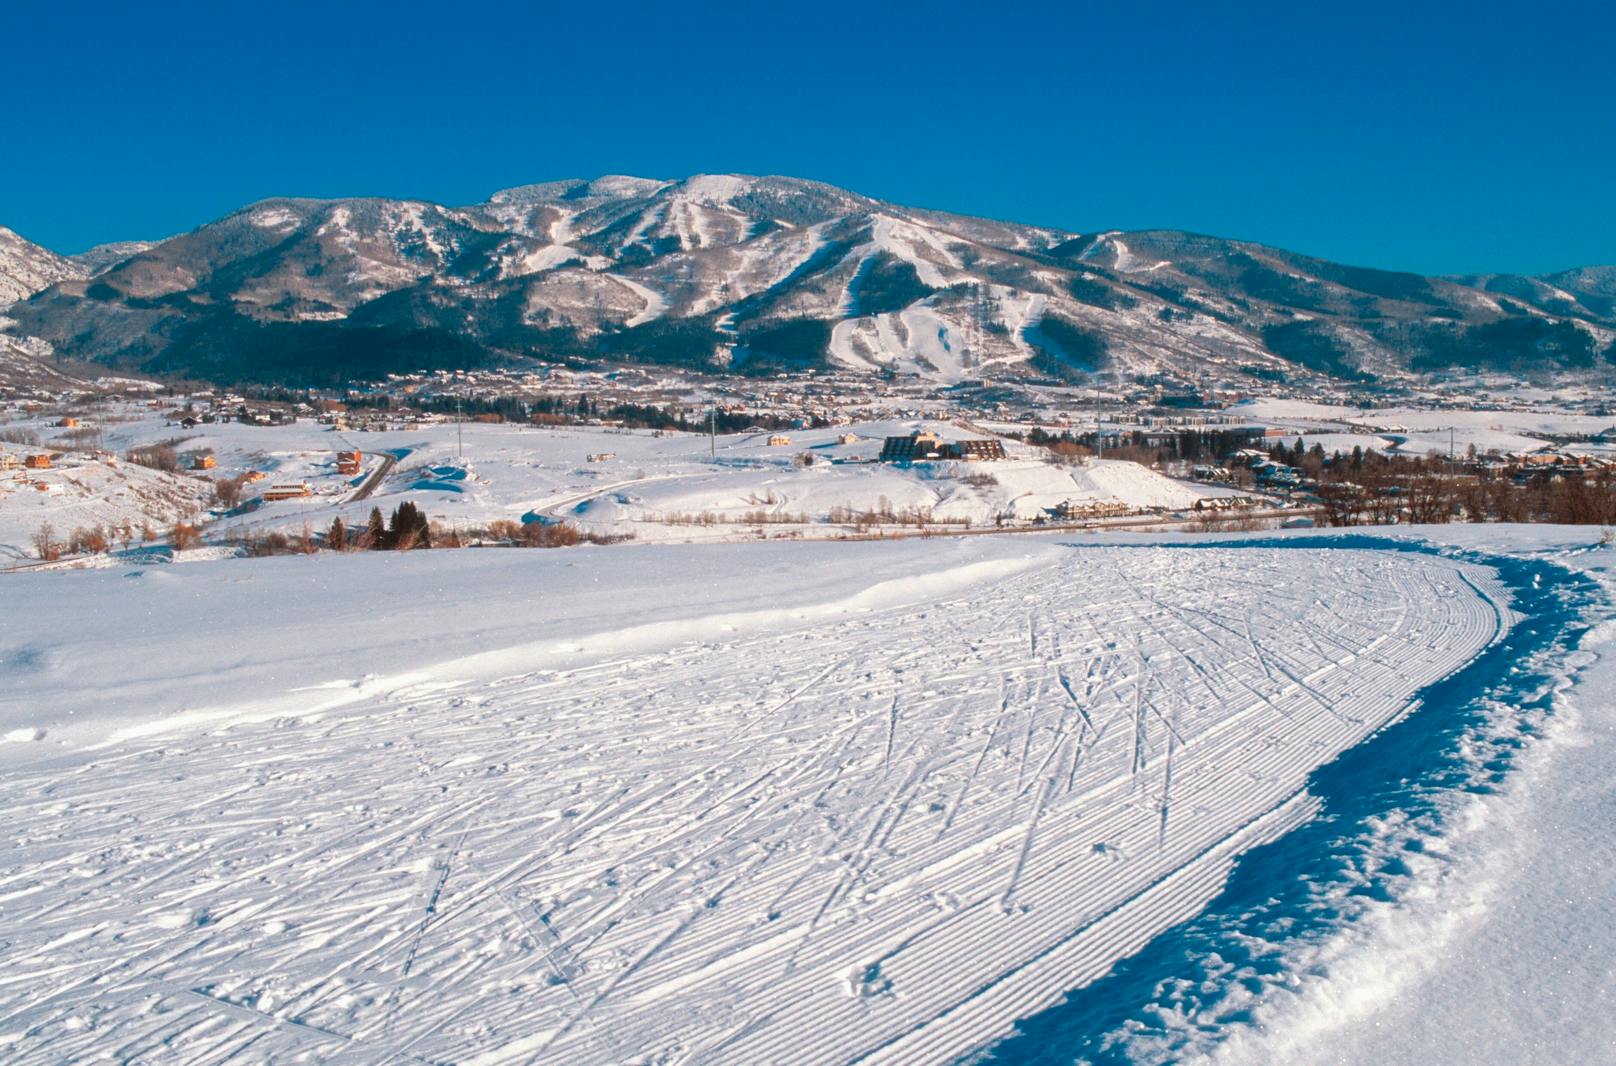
(1343, 443)
(1420, 431)
(751, 802)
(651, 486)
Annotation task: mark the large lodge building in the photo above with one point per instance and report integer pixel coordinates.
(921, 446)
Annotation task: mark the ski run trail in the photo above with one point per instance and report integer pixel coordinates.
(876, 834)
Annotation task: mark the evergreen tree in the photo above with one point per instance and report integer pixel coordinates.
(336, 538)
(408, 528)
(375, 532)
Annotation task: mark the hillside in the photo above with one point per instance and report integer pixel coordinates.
(762, 275)
(25, 267)
(23, 365)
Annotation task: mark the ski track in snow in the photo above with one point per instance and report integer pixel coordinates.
(879, 837)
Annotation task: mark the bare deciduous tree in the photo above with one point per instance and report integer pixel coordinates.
(182, 536)
(46, 546)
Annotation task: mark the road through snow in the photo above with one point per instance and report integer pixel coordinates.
(879, 834)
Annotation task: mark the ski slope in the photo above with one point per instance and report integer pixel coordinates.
(818, 803)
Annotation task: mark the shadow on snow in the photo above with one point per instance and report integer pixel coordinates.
(1183, 991)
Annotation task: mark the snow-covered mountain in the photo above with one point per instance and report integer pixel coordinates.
(770, 274)
(25, 267)
(104, 257)
(25, 363)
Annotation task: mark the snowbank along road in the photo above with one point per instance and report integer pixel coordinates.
(883, 835)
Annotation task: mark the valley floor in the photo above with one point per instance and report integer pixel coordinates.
(808, 803)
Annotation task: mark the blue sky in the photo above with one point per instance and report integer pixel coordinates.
(1440, 138)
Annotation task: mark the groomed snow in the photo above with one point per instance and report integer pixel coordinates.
(1499, 947)
(808, 803)
(655, 304)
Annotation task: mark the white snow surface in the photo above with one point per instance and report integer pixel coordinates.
(1343, 443)
(656, 305)
(1502, 950)
(513, 472)
(79, 492)
(1417, 431)
(739, 803)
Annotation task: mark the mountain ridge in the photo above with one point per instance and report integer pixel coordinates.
(753, 275)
